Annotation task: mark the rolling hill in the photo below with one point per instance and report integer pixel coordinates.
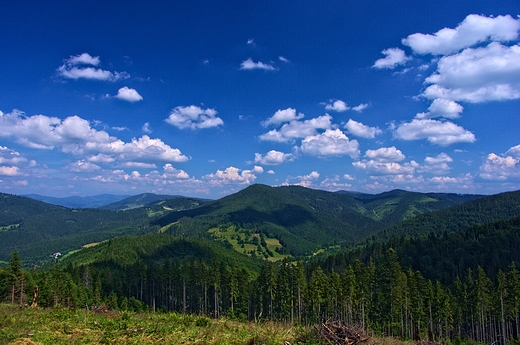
(481, 211)
(304, 219)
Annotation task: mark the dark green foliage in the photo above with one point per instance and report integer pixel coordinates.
(304, 219)
(149, 199)
(485, 210)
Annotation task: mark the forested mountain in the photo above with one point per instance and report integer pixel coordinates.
(94, 201)
(481, 211)
(442, 257)
(153, 249)
(150, 199)
(446, 275)
(304, 219)
(398, 205)
(300, 218)
(39, 229)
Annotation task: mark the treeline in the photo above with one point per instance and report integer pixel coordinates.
(443, 256)
(380, 296)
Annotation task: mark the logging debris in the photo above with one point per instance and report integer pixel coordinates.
(338, 333)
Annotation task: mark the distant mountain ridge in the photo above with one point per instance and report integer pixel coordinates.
(304, 219)
(93, 201)
(143, 200)
(299, 219)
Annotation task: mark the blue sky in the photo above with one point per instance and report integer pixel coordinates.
(203, 98)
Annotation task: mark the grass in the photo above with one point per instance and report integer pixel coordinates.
(70, 327)
(63, 326)
(250, 242)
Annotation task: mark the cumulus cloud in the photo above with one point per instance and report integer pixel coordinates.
(337, 105)
(281, 116)
(127, 94)
(298, 129)
(272, 157)
(8, 156)
(473, 30)
(502, 167)
(374, 167)
(83, 166)
(84, 66)
(476, 75)
(359, 108)
(232, 175)
(441, 133)
(303, 180)
(193, 117)
(10, 171)
(249, 64)
(74, 135)
(442, 108)
(393, 58)
(385, 154)
(331, 142)
(360, 130)
(146, 128)
(437, 164)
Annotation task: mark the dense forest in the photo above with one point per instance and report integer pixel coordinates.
(443, 269)
(380, 295)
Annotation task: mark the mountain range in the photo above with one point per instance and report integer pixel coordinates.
(291, 220)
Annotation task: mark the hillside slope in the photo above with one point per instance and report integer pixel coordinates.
(304, 219)
(482, 211)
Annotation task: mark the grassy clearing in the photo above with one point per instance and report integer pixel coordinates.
(247, 242)
(62, 326)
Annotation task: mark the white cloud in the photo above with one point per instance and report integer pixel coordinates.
(84, 59)
(440, 158)
(360, 130)
(83, 166)
(334, 184)
(283, 59)
(193, 117)
(393, 58)
(127, 94)
(477, 75)
(349, 177)
(441, 133)
(140, 165)
(359, 108)
(298, 129)
(385, 154)
(503, 167)
(10, 171)
(281, 116)
(473, 30)
(8, 156)
(337, 105)
(74, 135)
(272, 158)
(373, 167)
(83, 66)
(460, 183)
(146, 128)
(250, 64)
(331, 142)
(304, 180)
(437, 164)
(233, 175)
(442, 108)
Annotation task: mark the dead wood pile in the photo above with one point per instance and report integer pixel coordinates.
(338, 333)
